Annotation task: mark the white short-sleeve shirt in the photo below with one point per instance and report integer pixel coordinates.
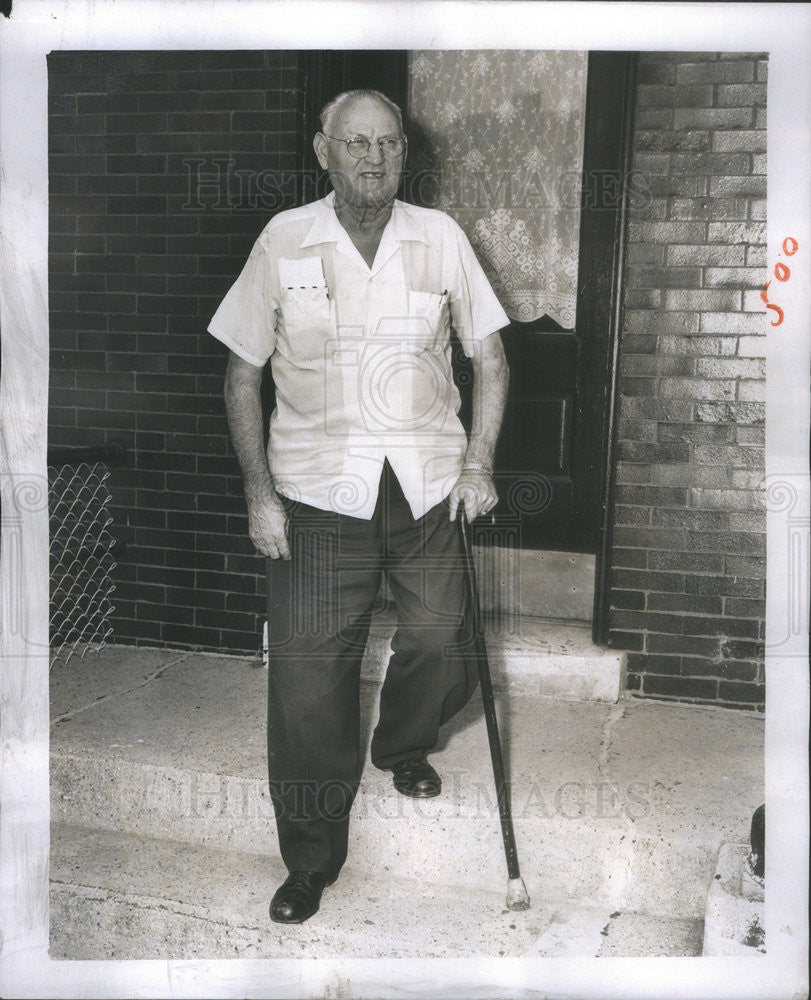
(360, 356)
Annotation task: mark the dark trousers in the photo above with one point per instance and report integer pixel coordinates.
(320, 604)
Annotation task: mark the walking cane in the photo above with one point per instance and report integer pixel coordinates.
(517, 895)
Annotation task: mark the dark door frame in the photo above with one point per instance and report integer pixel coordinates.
(608, 182)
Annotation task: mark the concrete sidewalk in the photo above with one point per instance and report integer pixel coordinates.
(158, 782)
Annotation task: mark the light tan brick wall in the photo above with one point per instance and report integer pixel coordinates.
(688, 557)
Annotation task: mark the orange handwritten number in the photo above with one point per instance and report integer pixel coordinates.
(771, 305)
(782, 272)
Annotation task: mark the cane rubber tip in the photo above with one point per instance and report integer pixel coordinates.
(517, 895)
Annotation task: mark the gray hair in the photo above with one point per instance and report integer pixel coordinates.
(333, 108)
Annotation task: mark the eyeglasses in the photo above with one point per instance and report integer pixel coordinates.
(390, 146)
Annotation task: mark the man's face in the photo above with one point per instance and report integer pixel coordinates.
(372, 180)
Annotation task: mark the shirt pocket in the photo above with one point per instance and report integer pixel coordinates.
(305, 307)
(428, 319)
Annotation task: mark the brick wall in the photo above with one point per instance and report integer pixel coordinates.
(164, 168)
(688, 564)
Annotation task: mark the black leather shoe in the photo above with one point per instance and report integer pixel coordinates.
(298, 897)
(416, 777)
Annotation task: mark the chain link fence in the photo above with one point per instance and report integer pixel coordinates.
(81, 554)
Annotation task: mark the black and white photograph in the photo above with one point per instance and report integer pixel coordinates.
(405, 505)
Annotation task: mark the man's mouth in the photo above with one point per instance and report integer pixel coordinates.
(376, 174)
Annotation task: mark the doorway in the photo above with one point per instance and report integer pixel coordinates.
(554, 454)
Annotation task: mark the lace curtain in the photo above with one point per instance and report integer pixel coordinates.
(496, 141)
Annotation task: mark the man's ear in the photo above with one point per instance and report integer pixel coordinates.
(320, 147)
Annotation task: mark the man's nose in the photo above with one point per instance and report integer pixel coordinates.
(375, 154)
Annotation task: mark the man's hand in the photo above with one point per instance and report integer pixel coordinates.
(267, 525)
(476, 491)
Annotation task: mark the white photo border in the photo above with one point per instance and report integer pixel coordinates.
(37, 27)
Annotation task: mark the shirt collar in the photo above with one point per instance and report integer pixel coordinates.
(326, 228)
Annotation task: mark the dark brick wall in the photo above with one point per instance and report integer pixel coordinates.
(164, 167)
(689, 542)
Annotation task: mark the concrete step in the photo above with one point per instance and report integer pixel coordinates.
(549, 657)
(540, 656)
(118, 896)
(612, 803)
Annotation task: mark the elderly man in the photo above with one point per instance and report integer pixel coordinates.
(352, 299)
